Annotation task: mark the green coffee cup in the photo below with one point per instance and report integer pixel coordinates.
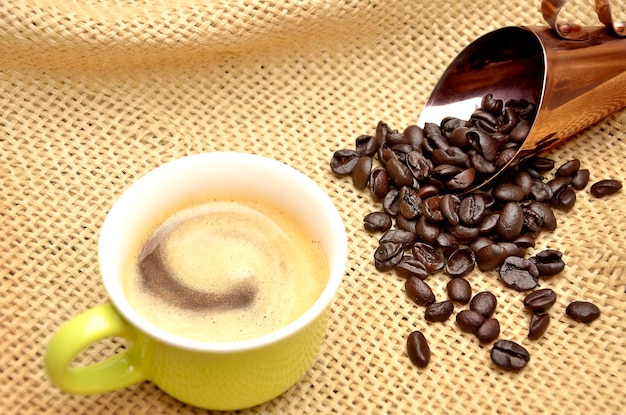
(211, 375)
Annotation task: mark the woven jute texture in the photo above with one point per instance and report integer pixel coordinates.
(95, 93)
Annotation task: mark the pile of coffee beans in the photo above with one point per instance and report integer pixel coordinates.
(431, 221)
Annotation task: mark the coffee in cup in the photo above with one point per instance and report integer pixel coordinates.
(226, 268)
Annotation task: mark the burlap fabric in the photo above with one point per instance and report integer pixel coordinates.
(96, 93)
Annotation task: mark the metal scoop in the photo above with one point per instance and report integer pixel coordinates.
(574, 83)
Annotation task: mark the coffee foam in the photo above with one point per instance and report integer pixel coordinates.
(227, 270)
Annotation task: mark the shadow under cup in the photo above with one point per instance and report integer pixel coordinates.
(218, 375)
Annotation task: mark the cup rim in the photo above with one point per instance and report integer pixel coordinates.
(337, 266)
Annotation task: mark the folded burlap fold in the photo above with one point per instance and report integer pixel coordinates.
(107, 34)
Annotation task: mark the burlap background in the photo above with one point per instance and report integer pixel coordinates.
(95, 93)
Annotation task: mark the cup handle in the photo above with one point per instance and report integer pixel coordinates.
(118, 371)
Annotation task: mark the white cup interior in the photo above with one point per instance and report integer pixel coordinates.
(163, 190)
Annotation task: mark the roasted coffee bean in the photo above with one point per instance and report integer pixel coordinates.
(509, 192)
(406, 224)
(505, 157)
(381, 133)
(580, 179)
(472, 210)
(510, 221)
(426, 231)
(559, 183)
(343, 161)
(540, 191)
(445, 171)
(401, 150)
(463, 234)
(452, 156)
(391, 202)
(405, 238)
(479, 243)
(538, 325)
(503, 140)
(418, 165)
(484, 303)
(519, 273)
(409, 203)
(460, 263)
(520, 132)
(483, 143)
(510, 119)
(544, 213)
(540, 301)
(564, 198)
(605, 187)
(509, 355)
(361, 172)
(533, 221)
(388, 255)
(541, 164)
(438, 312)
(469, 320)
(524, 180)
(424, 192)
(480, 164)
(379, 182)
(414, 136)
(549, 262)
(418, 349)
(485, 120)
(491, 257)
(525, 241)
(398, 173)
(462, 181)
(459, 290)
(447, 243)
(583, 311)
(410, 267)
(394, 138)
(449, 206)
(488, 331)
(366, 145)
(377, 222)
(458, 137)
(419, 292)
(434, 137)
(489, 224)
(428, 255)
(431, 210)
(385, 154)
(449, 124)
(492, 105)
(568, 169)
(523, 107)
